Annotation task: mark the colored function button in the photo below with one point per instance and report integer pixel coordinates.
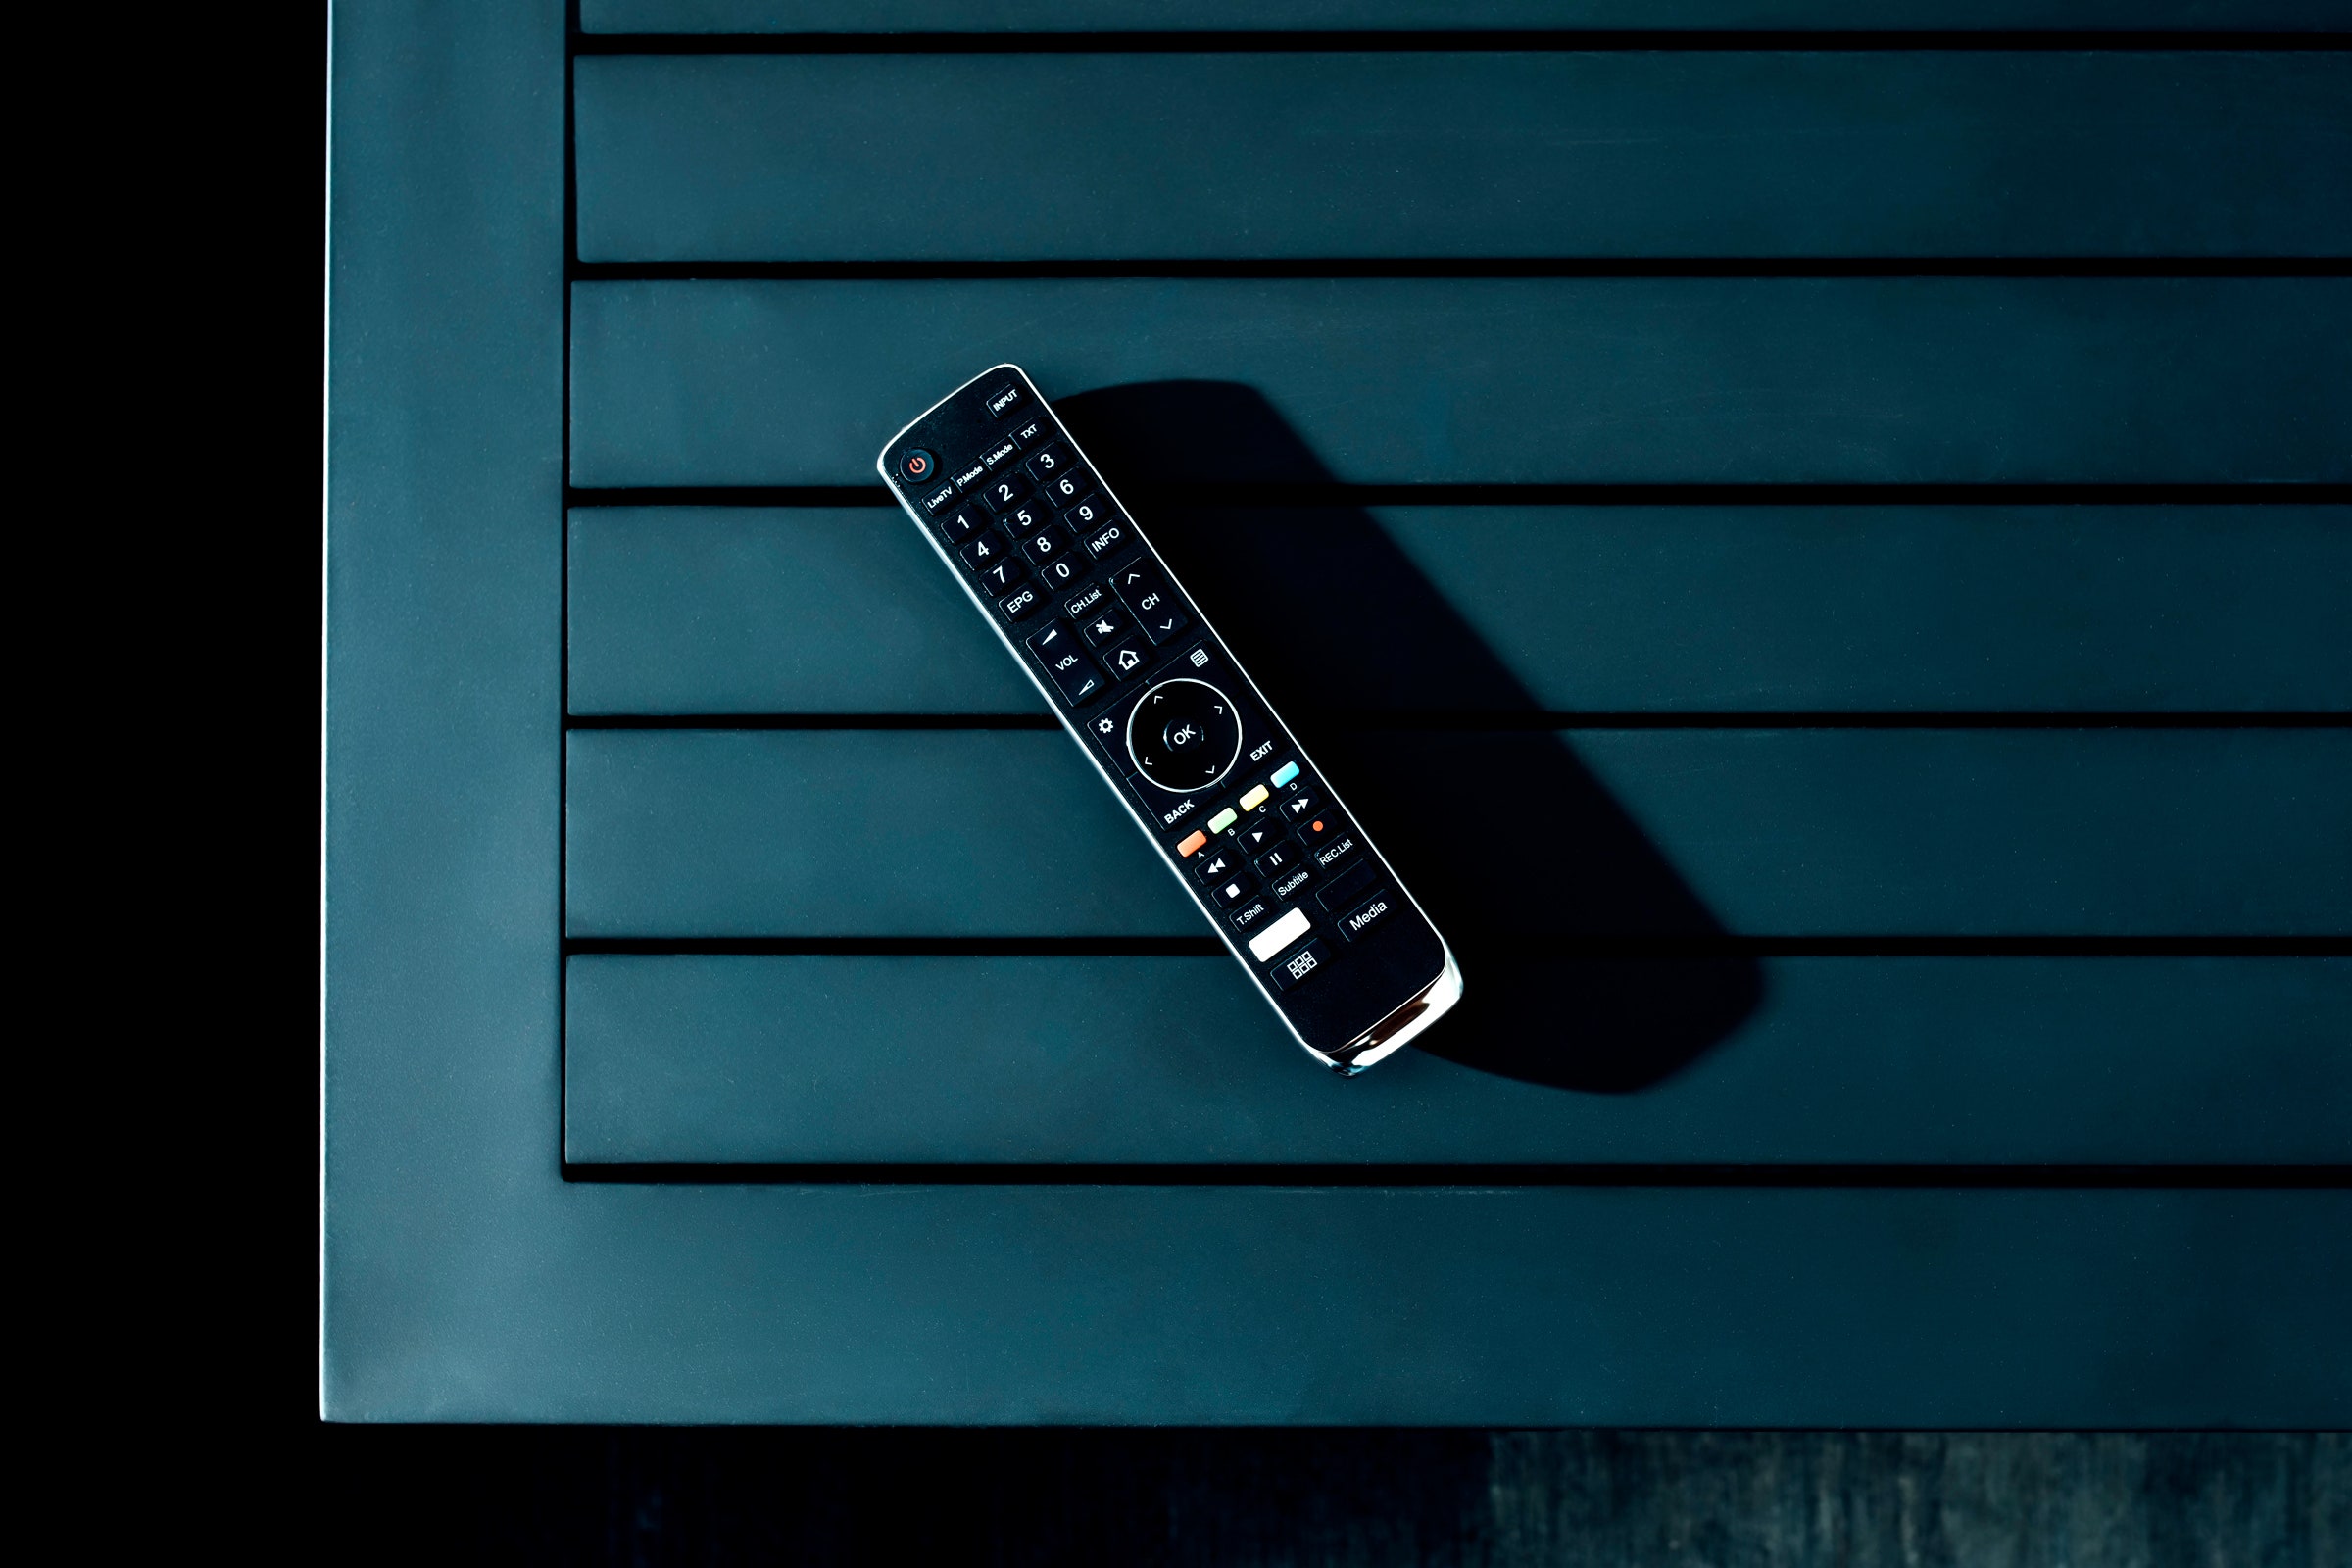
(1003, 400)
(1298, 966)
(1191, 842)
(1223, 820)
(1284, 775)
(1256, 798)
(1278, 936)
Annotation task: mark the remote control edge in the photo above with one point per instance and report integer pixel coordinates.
(1392, 1032)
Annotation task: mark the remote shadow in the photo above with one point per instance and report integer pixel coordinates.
(1538, 878)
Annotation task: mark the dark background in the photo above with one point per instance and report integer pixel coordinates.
(645, 1496)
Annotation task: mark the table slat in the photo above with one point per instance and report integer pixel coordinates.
(1523, 380)
(915, 157)
(818, 1060)
(1667, 609)
(963, 833)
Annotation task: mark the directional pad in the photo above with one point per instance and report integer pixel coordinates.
(1183, 735)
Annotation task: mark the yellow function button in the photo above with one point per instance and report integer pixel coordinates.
(1255, 798)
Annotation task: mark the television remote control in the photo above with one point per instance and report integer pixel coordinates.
(1244, 818)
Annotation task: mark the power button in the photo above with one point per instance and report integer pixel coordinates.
(917, 466)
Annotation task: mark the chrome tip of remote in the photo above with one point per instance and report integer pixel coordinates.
(1397, 1030)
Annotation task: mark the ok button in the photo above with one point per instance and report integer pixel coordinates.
(1183, 735)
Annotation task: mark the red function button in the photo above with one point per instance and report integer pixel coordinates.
(1191, 842)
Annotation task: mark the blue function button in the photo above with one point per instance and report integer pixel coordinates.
(1284, 775)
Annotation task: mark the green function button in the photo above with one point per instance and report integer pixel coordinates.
(1223, 820)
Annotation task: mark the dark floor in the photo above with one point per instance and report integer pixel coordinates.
(1233, 1500)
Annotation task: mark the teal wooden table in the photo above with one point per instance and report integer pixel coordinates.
(1844, 543)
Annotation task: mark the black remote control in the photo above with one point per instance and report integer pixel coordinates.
(1244, 818)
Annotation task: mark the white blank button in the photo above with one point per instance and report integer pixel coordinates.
(1278, 936)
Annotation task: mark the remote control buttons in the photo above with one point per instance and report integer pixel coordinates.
(917, 468)
(1231, 890)
(984, 552)
(1298, 966)
(1048, 544)
(1280, 935)
(1183, 735)
(1106, 625)
(1067, 487)
(1080, 517)
(1321, 828)
(1073, 674)
(960, 524)
(1060, 573)
(1145, 588)
(1110, 536)
(1000, 454)
(1129, 660)
(1286, 887)
(1031, 433)
(937, 501)
(1002, 492)
(1020, 603)
(1025, 519)
(1049, 462)
(1086, 601)
(1004, 400)
(1367, 914)
(995, 579)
